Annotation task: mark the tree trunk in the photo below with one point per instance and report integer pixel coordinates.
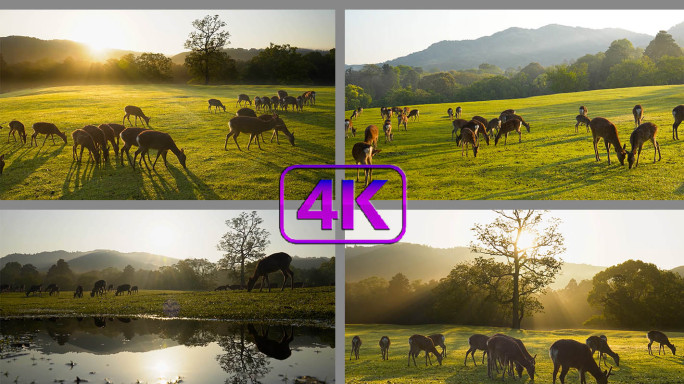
(206, 77)
(516, 295)
(242, 270)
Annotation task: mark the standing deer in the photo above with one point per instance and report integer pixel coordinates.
(257, 103)
(111, 136)
(523, 349)
(603, 129)
(134, 289)
(468, 137)
(415, 114)
(349, 127)
(582, 110)
(355, 347)
(458, 112)
(419, 343)
(300, 104)
(678, 114)
(2, 163)
(661, 339)
(511, 125)
(371, 136)
(279, 261)
(99, 288)
(493, 124)
(137, 113)
(83, 138)
(439, 340)
(354, 115)
(643, 133)
(243, 98)
(17, 126)
(252, 125)
(47, 129)
(79, 292)
(160, 141)
(275, 102)
(387, 128)
(567, 354)
(638, 113)
(118, 128)
(35, 288)
(582, 119)
(458, 124)
(282, 94)
(384, 347)
(266, 101)
(363, 155)
(477, 342)
(600, 344)
(129, 137)
(503, 116)
(99, 139)
(290, 100)
(216, 104)
(505, 349)
(359, 111)
(123, 288)
(450, 112)
(402, 120)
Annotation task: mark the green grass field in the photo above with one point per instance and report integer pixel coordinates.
(553, 162)
(48, 172)
(636, 366)
(302, 305)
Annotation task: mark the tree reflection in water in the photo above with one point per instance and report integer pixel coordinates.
(241, 360)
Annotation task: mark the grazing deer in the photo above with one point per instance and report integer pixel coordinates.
(134, 289)
(603, 129)
(600, 344)
(385, 113)
(99, 288)
(300, 104)
(582, 110)
(111, 136)
(384, 347)
(160, 141)
(279, 261)
(523, 349)
(47, 129)
(481, 120)
(567, 354)
(415, 114)
(252, 125)
(118, 128)
(280, 127)
(493, 124)
(355, 347)
(137, 113)
(79, 292)
(387, 128)
(643, 133)
(99, 139)
(371, 135)
(458, 112)
(468, 137)
(506, 349)
(290, 100)
(407, 110)
(512, 125)
(221, 288)
(503, 116)
(582, 119)
(678, 114)
(638, 113)
(479, 125)
(402, 120)
(477, 342)
(277, 349)
(2, 163)
(18, 127)
(53, 289)
(363, 155)
(83, 138)
(123, 288)
(35, 288)
(458, 124)
(266, 101)
(129, 136)
(257, 103)
(216, 103)
(450, 112)
(275, 102)
(349, 127)
(419, 343)
(439, 340)
(661, 339)
(354, 115)
(282, 94)
(243, 98)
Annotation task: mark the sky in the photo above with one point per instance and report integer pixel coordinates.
(165, 31)
(373, 36)
(601, 238)
(176, 233)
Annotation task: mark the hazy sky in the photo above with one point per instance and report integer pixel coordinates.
(373, 36)
(165, 31)
(179, 233)
(602, 238)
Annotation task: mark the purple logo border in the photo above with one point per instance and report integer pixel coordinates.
(345, 241)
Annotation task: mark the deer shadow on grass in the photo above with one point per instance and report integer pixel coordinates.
(188, 185)
(22, 166)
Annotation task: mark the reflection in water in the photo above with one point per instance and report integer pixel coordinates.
(129, 349)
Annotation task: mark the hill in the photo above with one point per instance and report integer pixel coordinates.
(420, 262)
(308, 262)
(679, 270)
(80, 262)
(17, 49)
(677, 33)
(238, 54)
(517, 47)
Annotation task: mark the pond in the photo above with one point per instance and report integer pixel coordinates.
(127, 350)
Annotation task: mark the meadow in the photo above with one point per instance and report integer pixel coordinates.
(304, 305)
(636, 365)
(49, 172)
(552, 162)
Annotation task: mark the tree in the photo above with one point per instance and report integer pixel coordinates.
(128, 275)
(619, 51)
(245, 241)
(154, 66)
(60, 274)
(530, 253)
(279, 64)
(355, 96)
(662, 45)
(631, 73)
(399, 286)
(206, 44)
(10, 273)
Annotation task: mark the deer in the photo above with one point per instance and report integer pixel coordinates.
(2, 163)
(661, 339)
(503, 116)
(47, 129)
(83, 138)
(349, 128)
(450, 113)
(355, 347)
(458, 124)
(99, 288)
(266, 101)
(111, 136)
(282, 94)
(35, 288)
(53, 289)
(279, 261)
(419, 343)
(280, 127)
(523, 349)
(18, 127)
(243, 98)
(567, 354)
(290, 100)
(638, 113)
(123, 288)
(678, 114)
(277, 349)
(78, 293)
(216, 103)
(505, 349)
(118, 128)
(582, 119)
(600, 344)
(99, 139)
(458, 112)
(160, 141)
(407, 110)
(129, 137)
(275, 102)
(110, 287)
(384, 347)
(510, 116)
(512, 125)
(371, 136)
(252, 125)
(354, 115)
(415, 114)
(493, 124)
(479, 125)
(359, 111)
(363, 154)
(137, 113)
(257, 103)
(300, 104)
(134, 289)
(468, 137)
(308, 97)
(439, 340)
(582, 110)
(643, 133)
(402, 120)
(603, 129)
(387, 128)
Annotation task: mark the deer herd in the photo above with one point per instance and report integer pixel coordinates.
(100, 288)
(509, 356)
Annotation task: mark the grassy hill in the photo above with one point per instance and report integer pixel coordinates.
(552, 162)
(17, 49)
(91, 260)
(49, 172)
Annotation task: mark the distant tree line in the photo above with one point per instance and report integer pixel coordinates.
(621, 65)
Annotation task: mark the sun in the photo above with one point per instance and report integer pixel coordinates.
(526, 240)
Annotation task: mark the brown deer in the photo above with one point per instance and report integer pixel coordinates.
(129, 137)
(477, 342)
(440, 341)
(450, 112)
(35, 288)
(18, 127)
(503, 116)
(481, 120)
(661, 339)
(118, 128)
(123, 288)
(137, 113)
(359, 111)
(419, 343)
(349, 127)
(300, 104)
(678, 114)
(308, 97)
(468, 137)
(385, 113)
(567, 354)
(512, 125)
(582, 110)
(643, 133)
(355, 347)
(511, 116)
(384, 347)
(243, 98)
(2, 163)
(458, 112)
(290, 100)
(407, 110)
(79, 292)
(275, 102)
(99, 288)
(252, 125)
(279, 261)
(354, 115)
(363, 155)
(402, 120)
(600, 344)
(523, 349)
(47, 129)
(280, 127)
(277, 349)
(216, 103)
(387, 128)
(493, 124)
(415, 114)
(582, 119)
(603, 129)
(160, 141)
(257, 103)
(507, 350)
(134, 289)
(266, 102)
(371, 135)
(83, 138)
(99, 139)
(638, 113)
(111, 136)
(458, 124)
(479, 125)
(282, 94)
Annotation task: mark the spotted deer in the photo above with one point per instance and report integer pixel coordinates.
(642, 134)
(603, 129)
(402, 120)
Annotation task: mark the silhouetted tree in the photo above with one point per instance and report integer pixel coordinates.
(245, 241)
(206, 44)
